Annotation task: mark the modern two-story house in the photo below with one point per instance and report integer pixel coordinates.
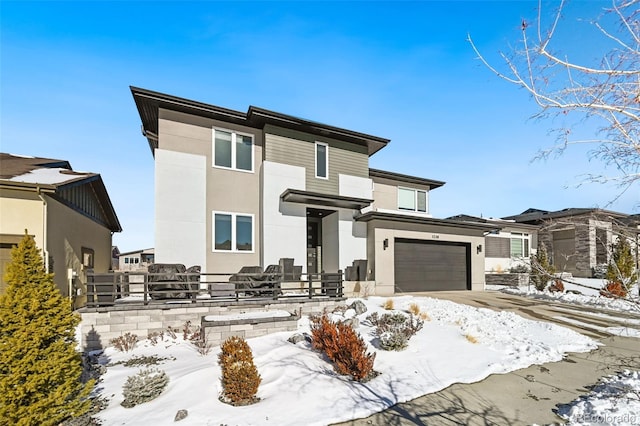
(234, 189)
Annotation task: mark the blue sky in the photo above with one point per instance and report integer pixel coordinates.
(400, 70)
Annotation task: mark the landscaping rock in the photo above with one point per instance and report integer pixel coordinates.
(299, 337)
(181, 414)
(354, 322)
(359, 307)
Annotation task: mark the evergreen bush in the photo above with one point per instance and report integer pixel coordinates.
(240, 378)
(40, 370)
(145, 386)
(395, 329)
(343, 346)
(622, 266)
(541, 268)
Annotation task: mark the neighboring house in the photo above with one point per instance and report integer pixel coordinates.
(577, 239)
(137, 260)
(235, 189)
(115, 254)
(69, 213)
(509, 246)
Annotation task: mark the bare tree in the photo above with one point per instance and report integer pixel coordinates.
(606, 91)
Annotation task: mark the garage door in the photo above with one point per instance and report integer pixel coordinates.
(431, 265)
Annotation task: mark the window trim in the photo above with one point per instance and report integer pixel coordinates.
(415, 200)
(234, 236)
(326, 160)
(526, 248)
(234, 162)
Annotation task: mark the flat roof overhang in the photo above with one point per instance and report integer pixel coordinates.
(393, 217)
(328, 200)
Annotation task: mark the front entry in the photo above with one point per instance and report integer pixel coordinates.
(316, 239)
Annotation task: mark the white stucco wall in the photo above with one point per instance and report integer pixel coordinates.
(353, 238)
(180, 193)
(355, 186)
(284, 225)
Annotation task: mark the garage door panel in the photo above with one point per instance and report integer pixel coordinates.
(430, 266)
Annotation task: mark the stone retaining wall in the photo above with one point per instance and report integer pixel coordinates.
(513, 280)
(217, 331)
(100, 325)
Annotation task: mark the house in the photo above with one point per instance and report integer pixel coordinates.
(578, 239)
(137, 260)
(249, 188)
(509, 247)
(69, 213)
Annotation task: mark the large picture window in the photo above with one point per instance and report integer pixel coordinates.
(322, 160)
(232, 232)
(232, 150)
(412, 200)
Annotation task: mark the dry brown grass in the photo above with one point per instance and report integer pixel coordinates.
(388, 304)
(414, 309)
(471, 339)
(424, 316)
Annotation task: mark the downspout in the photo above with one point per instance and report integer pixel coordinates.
(44, 229)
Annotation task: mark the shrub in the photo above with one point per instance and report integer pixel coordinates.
(240, 378)
(622, 267)
(557, 287)
(395, 329)
(144, 386)
(40, 369)
(195, 335)
(519, 269)
(614, 289)
(414, 309)
(125, 343)
(541, 268)
(343, 346)
(388, 305)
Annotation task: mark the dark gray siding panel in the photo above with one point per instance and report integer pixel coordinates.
(431, 265)
(564, 250)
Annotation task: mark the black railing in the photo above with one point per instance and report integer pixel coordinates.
(115, 288)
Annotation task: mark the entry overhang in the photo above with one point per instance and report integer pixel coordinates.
(315, 198)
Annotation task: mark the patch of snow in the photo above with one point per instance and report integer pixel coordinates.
(299, 386)
(614, 401)
(49, 176)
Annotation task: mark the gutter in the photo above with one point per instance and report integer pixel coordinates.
(44, 229)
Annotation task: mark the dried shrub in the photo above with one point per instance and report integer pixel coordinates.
(388, 305)
(343, 346)
(424, 316)
(195, 336)
(125, 343)
(471, 338)
(414, 309)
(557, 287)
(143, 360)
(614, 289)
(240, 378)
(144, 386)
(395, 329)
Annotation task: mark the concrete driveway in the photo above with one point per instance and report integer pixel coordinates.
(529, 395)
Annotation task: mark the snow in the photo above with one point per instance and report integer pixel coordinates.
(300, 387)
(49, 176)
(589, 287)
(614, 401)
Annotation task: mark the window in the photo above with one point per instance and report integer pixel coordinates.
(232, 232)
(322, 160)
(87, 257)
(126, 260)
(412, 199)
(601, 246)
(519, 245)
(232, 150)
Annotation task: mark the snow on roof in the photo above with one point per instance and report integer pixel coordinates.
(50, 176)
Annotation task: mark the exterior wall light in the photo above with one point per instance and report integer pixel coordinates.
(385, 244)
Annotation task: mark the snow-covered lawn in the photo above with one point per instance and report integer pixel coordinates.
(300, 387)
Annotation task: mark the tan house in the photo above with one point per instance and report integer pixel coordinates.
(138, 260)
(69, 213)
(234, 189)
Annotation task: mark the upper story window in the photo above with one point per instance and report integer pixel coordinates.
(232, 232)
(519, 245)
(232, 150)
(322, 160)
(412, 200)
(87, 257)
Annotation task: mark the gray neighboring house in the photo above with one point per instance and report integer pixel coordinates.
(236, 188)
(578, 239)
(509, 246)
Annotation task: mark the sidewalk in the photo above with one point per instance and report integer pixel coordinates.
(525, 396)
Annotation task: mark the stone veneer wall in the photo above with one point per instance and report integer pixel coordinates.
(217, 331)
(513, 280)
(100, 325)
